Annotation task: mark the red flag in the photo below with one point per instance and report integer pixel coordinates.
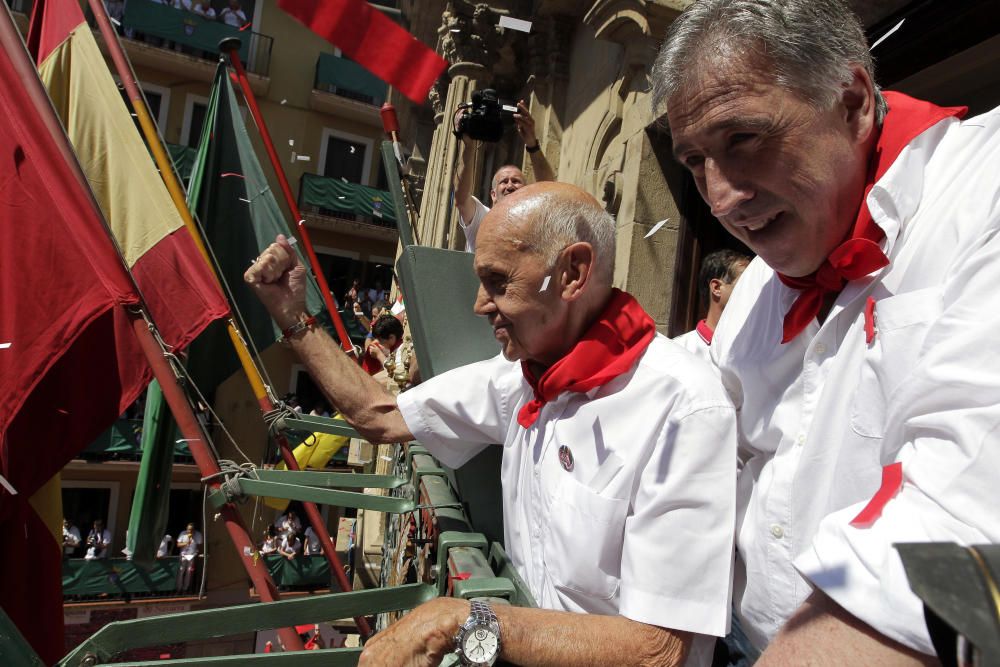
(69, 361)
(373, 40)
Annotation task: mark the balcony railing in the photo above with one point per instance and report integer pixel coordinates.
(337, 198)
(118, 578)
(180, 30)
(346, 78)
(300, 573)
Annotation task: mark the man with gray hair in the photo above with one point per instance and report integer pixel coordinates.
(618, 488)
(860, 346)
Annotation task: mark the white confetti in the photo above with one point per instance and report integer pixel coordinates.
(656, 228)
(115, 21)
(376, 213)
(247, 551)
(291, 142)
(340, 196)
(303, 158)
(344, 179)
(5, 484)
(545, 283)
(284, 101)
(515, 24)
(4, 346)
(353, 149)
(510, 108)
(456, 30)
(188, 440)
(292, 241)
(386, 458)
(886, 35)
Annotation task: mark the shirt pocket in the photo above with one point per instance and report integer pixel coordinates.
(902, 322)
(584, 546)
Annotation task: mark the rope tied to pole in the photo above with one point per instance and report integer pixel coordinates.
(232, 472)
(275, 419)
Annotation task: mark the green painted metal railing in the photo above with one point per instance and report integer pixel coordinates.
(326, 196)
(118, 577)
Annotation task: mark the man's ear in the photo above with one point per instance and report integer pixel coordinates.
(857, 100)
(715, 289)
(493, 196)
(575, 268)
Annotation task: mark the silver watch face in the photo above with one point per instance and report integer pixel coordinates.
(480, 644)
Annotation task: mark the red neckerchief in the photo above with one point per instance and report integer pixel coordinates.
(860, 254)
(610, 347)
(370, 364)
(706, 332)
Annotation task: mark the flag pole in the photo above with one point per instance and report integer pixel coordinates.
(231, 46)
(186, 420)
(264, 398)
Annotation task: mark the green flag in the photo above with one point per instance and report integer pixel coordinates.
(240, 215)
(148, 521)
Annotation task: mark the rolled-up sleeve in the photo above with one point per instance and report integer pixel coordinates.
(677, 558)
(458, 413)
(943, 426)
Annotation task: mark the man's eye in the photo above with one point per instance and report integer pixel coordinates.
(741, 138)
(694, 161)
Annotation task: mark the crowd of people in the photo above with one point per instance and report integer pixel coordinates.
(286, 538)
(229, 12)
(841, 396)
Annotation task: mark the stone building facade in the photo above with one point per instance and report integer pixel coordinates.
(584, 72)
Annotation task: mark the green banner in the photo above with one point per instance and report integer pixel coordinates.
(341, 75)
(300, 571)
(183, 158)
(338, 195)
(180, 26)
(118, 577)
(240, 216)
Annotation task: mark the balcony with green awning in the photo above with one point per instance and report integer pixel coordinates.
(114, 578)
(339, 198)
(347, 78)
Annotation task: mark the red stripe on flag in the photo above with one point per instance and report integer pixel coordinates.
(892, 482)
(373, 40)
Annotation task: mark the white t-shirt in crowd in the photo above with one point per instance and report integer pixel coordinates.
(188, 544)
(471, 228)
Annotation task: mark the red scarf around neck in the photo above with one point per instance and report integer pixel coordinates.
(610, 347)
(860, 254)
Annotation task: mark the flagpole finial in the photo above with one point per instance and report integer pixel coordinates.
(230, 44)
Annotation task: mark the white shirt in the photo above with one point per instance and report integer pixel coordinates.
(471, 228)
(695, 343)
(71, 538)
(100, 549)
(641, 526)
(824, 413)
(235, 18)
(290, 543)
(314, 547)
(188, 544)
(164, 549)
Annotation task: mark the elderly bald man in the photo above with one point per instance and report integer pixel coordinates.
(618, 483)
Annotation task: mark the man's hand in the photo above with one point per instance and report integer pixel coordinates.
(419, 639)
(279, 281)
(525, 124)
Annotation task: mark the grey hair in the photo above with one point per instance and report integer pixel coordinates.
(811, 45)
(566, 221)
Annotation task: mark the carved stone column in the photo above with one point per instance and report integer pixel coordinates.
(464, 40)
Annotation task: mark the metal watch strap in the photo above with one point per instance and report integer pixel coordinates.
(482, 612)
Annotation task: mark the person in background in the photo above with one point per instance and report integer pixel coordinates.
(312, 546)
(98, 541)
(163, 551)
(289, 545)
(288, 523)
(203, 8)
(70, 539)
(270, 543)
(719, 272)
(188, 545)
(233, 15)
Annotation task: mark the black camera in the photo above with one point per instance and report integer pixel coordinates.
(484, 118)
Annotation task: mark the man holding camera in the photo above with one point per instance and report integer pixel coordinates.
(507, 179)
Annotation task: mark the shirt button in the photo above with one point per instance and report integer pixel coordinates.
(820, 348)
(777, 531)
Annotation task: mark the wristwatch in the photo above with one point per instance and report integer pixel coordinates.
(534, 149)
(478, 640)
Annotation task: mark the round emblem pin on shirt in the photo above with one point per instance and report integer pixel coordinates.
(566, 458)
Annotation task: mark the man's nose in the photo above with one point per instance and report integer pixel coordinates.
(482, 304)
(722, 192)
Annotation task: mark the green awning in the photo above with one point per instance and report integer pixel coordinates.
(116, 577)
(346, 77)
(301, 571)
(335, 194)
(183, 159)
(180, 26)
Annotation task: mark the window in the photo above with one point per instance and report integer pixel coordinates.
(85, 502)
(195, 109)
(158, 101)
(345, 156)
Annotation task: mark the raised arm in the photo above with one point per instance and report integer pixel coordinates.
(279, 281)
(538, 637)
(463, 180)
(540, 166)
